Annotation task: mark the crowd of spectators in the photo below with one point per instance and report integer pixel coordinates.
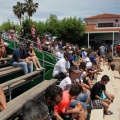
(75, 69)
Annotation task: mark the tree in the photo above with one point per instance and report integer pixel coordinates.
(71, 29)
(52, 24)
(30, 7)
(18, 10)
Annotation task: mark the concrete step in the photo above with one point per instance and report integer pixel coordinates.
(96, 114)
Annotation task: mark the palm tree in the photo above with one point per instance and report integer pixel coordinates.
(18, 10)
(30, 7)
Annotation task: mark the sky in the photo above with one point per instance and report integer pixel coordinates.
(61, 8)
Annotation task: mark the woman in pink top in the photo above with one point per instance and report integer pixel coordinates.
(33, 31)
(39, 45)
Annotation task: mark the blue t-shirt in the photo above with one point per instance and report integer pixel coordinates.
(19, 54)
(72, 58)
(92, 58)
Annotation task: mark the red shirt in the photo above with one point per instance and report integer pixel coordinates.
(118, 48)
(61, 108)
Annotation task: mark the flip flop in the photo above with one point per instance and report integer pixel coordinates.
(108, 113)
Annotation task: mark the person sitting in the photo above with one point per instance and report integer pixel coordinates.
(73, 62)
(84, 81)
(3, 104)
(34, 110)
(52, 97)
(100, 88)
(32, 56)
(60, 69)
(2, 48)
(63, 109)
(20, 59)
(66, 83)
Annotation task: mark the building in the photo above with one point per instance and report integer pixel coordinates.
(103, 28)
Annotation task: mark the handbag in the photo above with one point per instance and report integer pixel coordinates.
(96, 104)
(103, 96)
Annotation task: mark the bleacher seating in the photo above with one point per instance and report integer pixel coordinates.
(17, 103)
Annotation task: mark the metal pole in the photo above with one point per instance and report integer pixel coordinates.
(14, 45)
(88, 39)
(9, 90)
(43, 65)
(113, 43)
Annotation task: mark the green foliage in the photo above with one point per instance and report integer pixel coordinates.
(72, 29)
(40, 28)
(52, 25)
(30, 7)
(18, 10)
(7, 25)
(68, 29)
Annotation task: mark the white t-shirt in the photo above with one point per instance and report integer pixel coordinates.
(65, 82)
(60, 66)
(89, 65)
(83, 75)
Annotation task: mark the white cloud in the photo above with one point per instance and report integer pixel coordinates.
(62, 8)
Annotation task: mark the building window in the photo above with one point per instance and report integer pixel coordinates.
(105, 25)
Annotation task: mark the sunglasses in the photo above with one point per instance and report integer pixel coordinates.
(22, 45)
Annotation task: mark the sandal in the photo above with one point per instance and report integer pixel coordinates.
(108, 113)
(38, 69)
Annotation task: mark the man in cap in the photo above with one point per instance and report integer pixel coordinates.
(84, 54)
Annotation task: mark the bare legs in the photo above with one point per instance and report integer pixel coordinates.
(36, 62)
(3, 104)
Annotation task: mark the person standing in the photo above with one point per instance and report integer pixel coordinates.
(110, 59)
(102, 50)
(33, 31)
(118, 50)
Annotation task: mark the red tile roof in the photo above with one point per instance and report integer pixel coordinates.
(92, 28)
(103, 16)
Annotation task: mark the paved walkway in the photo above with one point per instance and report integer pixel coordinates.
(112, 87)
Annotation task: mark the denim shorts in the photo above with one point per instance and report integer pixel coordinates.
(82, 97)
(74, 104)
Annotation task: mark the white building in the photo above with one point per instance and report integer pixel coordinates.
(103, 28)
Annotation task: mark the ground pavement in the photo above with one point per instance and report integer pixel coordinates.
(112, 87)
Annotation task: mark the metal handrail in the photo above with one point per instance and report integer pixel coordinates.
(37, 49)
